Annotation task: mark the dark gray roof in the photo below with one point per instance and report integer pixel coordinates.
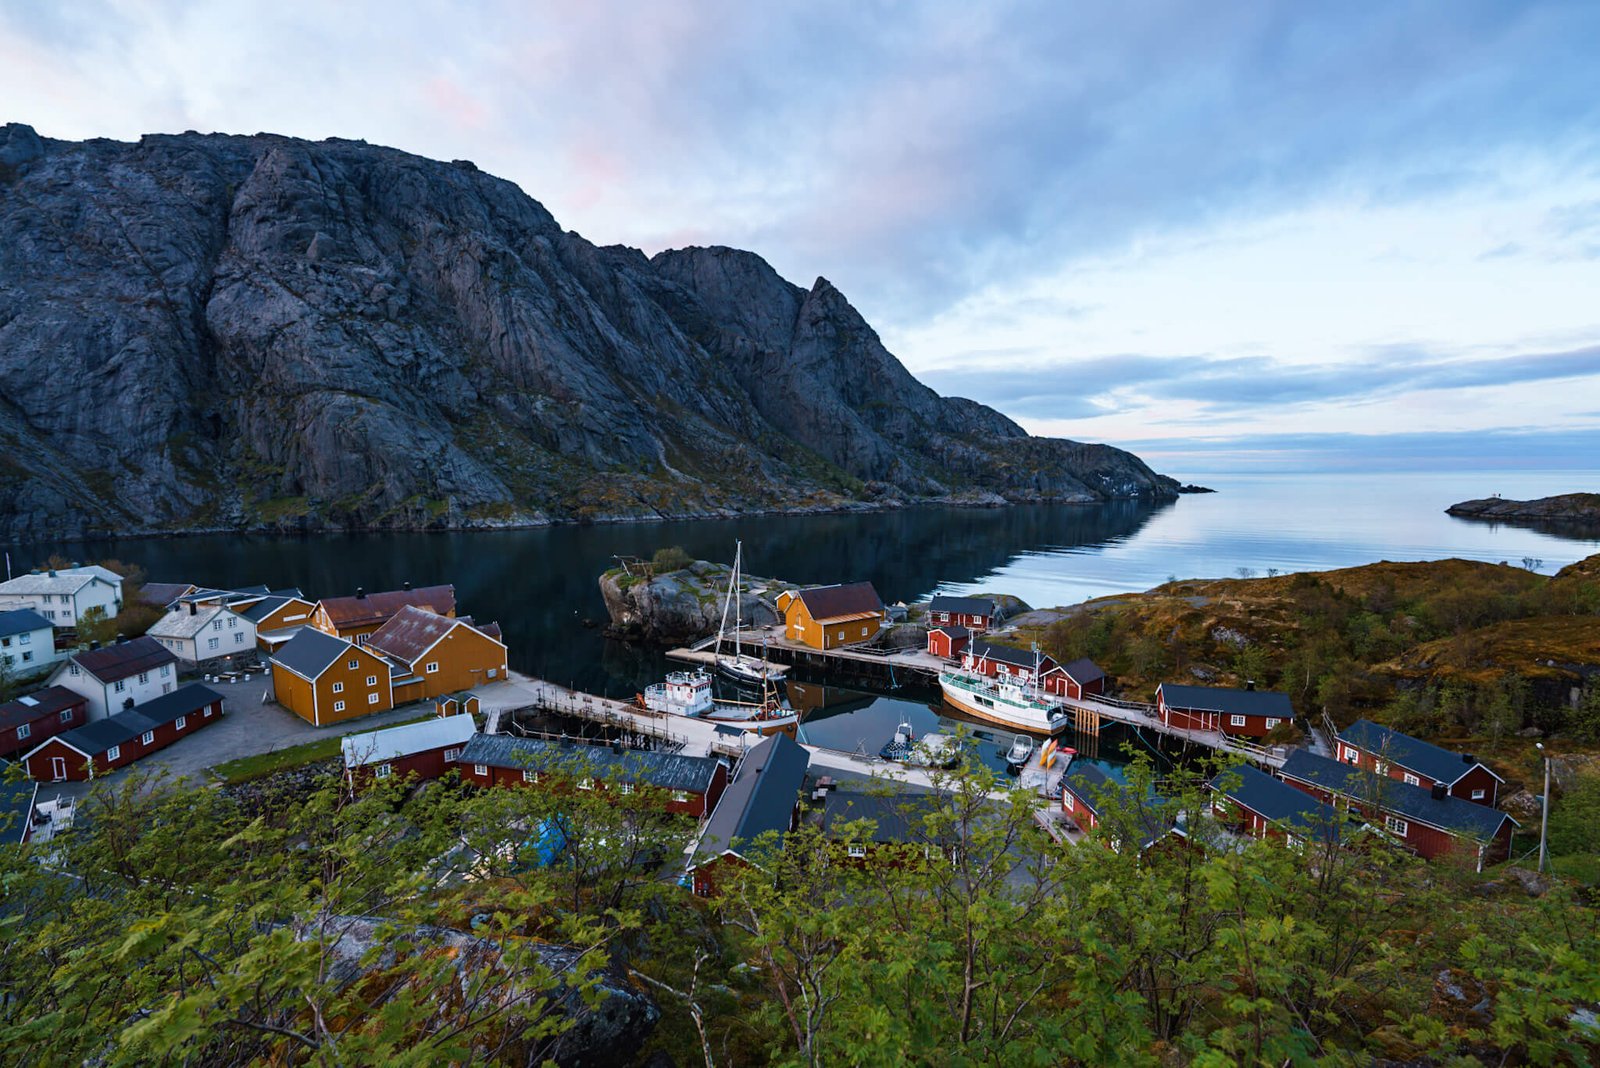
(954, 630)
(1083, 671)
(311, 652)
(37, 705)
(1275, 800)
(124, 659)
(1088, 784)
(1234, 702)
(1452, 814)
(761, 797)
(895, 817)
(1007, 654)
(22, 620)
(664, 771)
(16, 806)
(95, 738)
(1410, 753)
(832, 602)
(263, 608)
(966, 606)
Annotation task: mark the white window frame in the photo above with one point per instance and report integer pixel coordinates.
(480, 769)
(372, 698)
(432, 667)
(24, 730)
(354, 665)
(372, 680)
(114, 753)
(1237, 720)
(680, 795)
(382, 771)
(857, 851)
(586, 783)
(181, 722)
(147, 738)
(144, 678)
(211, 643)
(1410, 779)
(1397, 826)
(66, 715)
(25, 639)
(1351, 755)
(1066, 800)
(627, 788)
(451, 754)
(1479, 794)
(238, 639)
(1271, 723)
(338, 687)
(166, 669)
(338, 706)
(529, 775)
(119, 686)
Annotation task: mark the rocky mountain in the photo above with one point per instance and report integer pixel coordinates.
(210, 331)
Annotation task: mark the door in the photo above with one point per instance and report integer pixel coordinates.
(58, 769)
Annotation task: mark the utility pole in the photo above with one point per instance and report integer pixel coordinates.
(1544, 810)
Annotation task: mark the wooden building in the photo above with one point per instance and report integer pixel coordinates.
(762, 798)
(1076, 680)
(1427, 821)
(1249, 712)
(977, 614)
(423, 750)
(1248, 800)
(277, 618)
(827, 617)
(879, 829)
(323, 679)
(948, 641)
(34, 717)
(690, 785)
(434, 654)
(1079, 679)
(454, 704)
(1376, 748)
(103, 745)
(354, 618)
(118, 677)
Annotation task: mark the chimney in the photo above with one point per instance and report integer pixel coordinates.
(1440, 791)
(192, 610)
(52, 572)
(1468, 758)
(361, 594)
(122, 639)
(93, 646)
(1249, 684)
(405, 585)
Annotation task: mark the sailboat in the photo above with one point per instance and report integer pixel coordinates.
(688, 693)
(742, 667)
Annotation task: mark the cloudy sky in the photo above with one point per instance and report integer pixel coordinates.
(1215, 231)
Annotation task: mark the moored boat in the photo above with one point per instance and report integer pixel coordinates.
(741, 666)
(1020, 707)
(931, 751)
(1021, 750)
(689, 694)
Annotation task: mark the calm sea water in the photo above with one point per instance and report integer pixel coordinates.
(541, 584)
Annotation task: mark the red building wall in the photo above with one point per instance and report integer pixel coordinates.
(42, 729)
(971, 621)
(941, 644)
(1074, 807)
(428, 764)
(1479, 778)
(1195, 719)
(39, 763)
(1427, 842)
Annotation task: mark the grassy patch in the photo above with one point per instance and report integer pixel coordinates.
(253, 767)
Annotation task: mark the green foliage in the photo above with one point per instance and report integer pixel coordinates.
(95, 626)
(670, 559)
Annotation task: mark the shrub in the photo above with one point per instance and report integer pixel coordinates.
(671, 559)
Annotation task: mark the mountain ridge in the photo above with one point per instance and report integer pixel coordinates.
(226, 331)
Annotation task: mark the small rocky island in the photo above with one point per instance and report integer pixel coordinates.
(1565, 511)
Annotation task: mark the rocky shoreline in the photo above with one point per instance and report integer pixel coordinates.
(1563, 508)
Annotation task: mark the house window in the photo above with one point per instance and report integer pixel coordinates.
(1066, 801)
(166, 669)
(27, 657)
(1236, 721)
(1397, 825)
(216, 624)
(382, 771)
(1478, 795)
(49, 614)
(627, 787)
(232, 622)
(841, 635)
(166, 687)
(480, 769)
(372, 698)
(372, 680)
(147, 738)
(530, 776)
(1271, 723)
(863, 632)
(23, 731)
(205, 713)
(680, 795)
(1410, 779)
(119, 685)
(1352, 755)
(144, 678)
(26, 639)
(586, 784)
(858, 851)
(238, 639)
(491, 673)
(338, 687)
(353, 665)
(114, 753)
(338, 706)
(183, 721)
(211, 643)
(66, 716)
(432, 668)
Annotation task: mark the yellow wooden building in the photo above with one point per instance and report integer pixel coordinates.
(826, 617)
(323, 679)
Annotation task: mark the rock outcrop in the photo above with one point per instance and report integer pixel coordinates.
(220, 332)
(684, 605)
(1574, 515)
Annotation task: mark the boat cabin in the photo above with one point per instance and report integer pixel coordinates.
(685, 693)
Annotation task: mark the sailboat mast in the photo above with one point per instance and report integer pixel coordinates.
(738, 608)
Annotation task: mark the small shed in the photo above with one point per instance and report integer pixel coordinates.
(949, 641)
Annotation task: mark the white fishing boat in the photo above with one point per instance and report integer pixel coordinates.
(1018, 705)
(1021, 750)
(688, 693)
(741, 666)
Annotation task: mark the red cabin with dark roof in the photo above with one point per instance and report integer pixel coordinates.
(948, 642)
(34, 717)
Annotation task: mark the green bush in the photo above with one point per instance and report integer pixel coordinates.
(672, 559)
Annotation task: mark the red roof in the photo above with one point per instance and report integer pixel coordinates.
(410, 632)
(124, 659)
(833, 602)
(346, 612)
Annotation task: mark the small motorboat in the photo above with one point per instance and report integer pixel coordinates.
(1021, 751)
(930, 751)
(900, 749)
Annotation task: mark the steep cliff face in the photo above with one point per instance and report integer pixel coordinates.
(215, 331)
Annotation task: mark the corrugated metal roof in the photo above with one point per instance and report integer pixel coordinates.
(966, 606)
(124, 659)
(377, 607)
(65, 580)
(376, 747)
(835, 602)
(1410, 753)
(410, 632)
(1451, 814)
(1229, 700)
(162, 594)
(760, 799)
(310, 652)
(22, 621)
(182, 624)
(664, 771)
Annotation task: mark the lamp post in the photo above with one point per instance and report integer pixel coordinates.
(1544, 809)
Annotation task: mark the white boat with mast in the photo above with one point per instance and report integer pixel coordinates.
(688, 693)
(1018, 705)
(741, 667)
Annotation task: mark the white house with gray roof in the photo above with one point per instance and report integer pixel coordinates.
(27, 641)
(64, 595)
(198, 633)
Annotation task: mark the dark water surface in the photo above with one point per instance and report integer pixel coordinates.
(541, 584)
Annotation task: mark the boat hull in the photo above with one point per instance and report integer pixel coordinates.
(750, 672)
(995, 709)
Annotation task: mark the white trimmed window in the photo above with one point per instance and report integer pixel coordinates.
(529, 776)
(680, 795)
(166, 670)
(144, 677)
(25, 639)
(432, 668)
(238, 639)
(480, 769)
(1271, 723)
(66, 715)
(372, 680)
(627, 787)
(232, 622)
(211, 643)
(23, 731)
(858, 851)
(338, 706)
(119, 685)
(1397, 825)
(338, 687)
(1350, 754)
(354, 665)
(372, 698)
(1066, 800)
(382, 771)
(27, 657)
(114, 753)
(182, 722)
(74, 669)
(1236, 721)
(451, 754)
(147, 738)
(205, 713)
(586, 784)
(1478, 795)
(1410, 779)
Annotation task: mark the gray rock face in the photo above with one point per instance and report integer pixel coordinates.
(207, 331)
(685, 605)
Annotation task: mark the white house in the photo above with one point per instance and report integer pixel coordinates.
(63, 596)
(198, 632)
(118, 677)
(27, 642)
